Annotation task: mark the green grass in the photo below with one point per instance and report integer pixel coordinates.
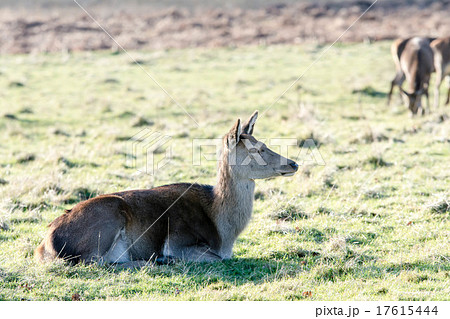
(371, 224)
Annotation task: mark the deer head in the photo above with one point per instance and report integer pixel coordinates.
(248, 158)
(414, 100)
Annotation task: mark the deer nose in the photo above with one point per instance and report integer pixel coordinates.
(294, 165)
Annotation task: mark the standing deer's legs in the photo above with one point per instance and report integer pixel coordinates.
(448, 91)
(439, 77)
(398, 80)
(428, 101)
(423, 111)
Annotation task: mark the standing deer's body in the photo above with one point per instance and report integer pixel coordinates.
(185, 221)
(441, 49)
(414, 62)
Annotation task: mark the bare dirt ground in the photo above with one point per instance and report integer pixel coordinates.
(146, 27)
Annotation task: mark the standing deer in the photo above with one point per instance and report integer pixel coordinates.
(413, 58)
(441, 49)
(184, 221)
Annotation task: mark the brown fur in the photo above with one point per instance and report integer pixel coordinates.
(186, 221)
(441, 49)
(413, 60)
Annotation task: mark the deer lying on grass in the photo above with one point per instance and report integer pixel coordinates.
(441, 49)
(413, 59)
(185, 221)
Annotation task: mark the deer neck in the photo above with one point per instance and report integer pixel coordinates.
(232, 207)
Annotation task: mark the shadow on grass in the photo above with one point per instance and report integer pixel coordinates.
(245, 270)
(370, 91)
(240, 271)
(237, 271)
(166, 279)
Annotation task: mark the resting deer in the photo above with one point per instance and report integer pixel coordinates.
(185, 221)
(413, 59)
(441, 49)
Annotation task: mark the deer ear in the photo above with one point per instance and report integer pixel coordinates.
(247, 128)
(234, 134)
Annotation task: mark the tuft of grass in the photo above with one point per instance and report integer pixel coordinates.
(60, 132)
(382, 291)
(311, 234)
(16, 84)
(369, 91)
(4, 225)
(377, 161)
(369, 136)
(111, 81)
(440, 207)
(329, 180)
(80, 194)
(289, 212)
(26, 110)
(126, 114)
(324, 210)
(375, 193)
(331, 273)
(294, 253)
(10, 116)
(26, 158)
(312, 139)
(67, 162)
(140, 121)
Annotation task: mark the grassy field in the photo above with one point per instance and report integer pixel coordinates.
(371, 224)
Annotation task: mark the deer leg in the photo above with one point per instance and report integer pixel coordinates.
(418, 107)
(448, 91)
(390, 93)
(436, 89)
(428, 102)
(422, 111)
(398, 80)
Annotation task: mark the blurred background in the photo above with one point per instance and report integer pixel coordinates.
(51, 26)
